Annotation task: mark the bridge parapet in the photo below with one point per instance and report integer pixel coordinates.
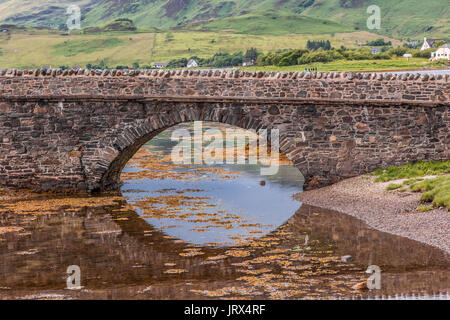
(206, 85)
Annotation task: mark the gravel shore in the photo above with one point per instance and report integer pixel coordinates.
(389, 211)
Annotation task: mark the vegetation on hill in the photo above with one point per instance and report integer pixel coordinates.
(401, 18)
(122, 24)
(73, 47)
(283, 58)
(31, 48)
(275, 23)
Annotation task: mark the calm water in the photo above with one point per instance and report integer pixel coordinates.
(203, 232)
(435, 72)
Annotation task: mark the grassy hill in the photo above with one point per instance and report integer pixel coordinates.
(31, 48)
(275, 23)
(400, 18)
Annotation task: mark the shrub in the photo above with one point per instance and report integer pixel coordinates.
(320, 56)
(399, 51)
(423, 54)
(290, 58)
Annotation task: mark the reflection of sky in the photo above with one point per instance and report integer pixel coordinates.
(270, 205)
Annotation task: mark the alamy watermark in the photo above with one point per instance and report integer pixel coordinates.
(234, 146)
(374, 21)
(374, 281)
(74, 17)
(74, 277)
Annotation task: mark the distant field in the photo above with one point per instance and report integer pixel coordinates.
(356, 65)
(35, 48)
(71, 48)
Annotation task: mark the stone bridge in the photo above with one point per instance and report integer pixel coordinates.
(75, 131)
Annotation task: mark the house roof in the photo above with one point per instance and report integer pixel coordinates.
(445, 46)
(431, 41)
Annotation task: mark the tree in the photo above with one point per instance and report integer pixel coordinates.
(251, 55)
(438, 43)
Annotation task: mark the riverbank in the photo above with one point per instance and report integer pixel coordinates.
(393, 211)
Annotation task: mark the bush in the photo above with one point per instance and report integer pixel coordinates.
(378, 43)
(290, 58)
(361, 54)
(320, 56)
(423, 54)
(399, 51)
(177, 63)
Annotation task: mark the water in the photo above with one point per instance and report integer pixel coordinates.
(221, 204)
(434, 72)
(199, 232)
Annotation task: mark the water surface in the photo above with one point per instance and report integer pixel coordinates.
(203, 232)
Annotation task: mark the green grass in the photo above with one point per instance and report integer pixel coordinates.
(73, 47)
(32, 48)
(435, 190)
(424, 208)
(393, 186)
(400, 18)
(416, 170)
(358, 65)
(276, 24)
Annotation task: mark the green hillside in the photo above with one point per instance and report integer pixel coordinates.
(276, 24)
(400, 18)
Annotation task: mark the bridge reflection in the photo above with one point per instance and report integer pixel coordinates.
(122, 256)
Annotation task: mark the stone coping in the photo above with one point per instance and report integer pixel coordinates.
(223, 74)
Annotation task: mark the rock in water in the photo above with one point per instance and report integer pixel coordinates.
(347, 259)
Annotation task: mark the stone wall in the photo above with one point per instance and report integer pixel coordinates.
(224, 84)
(76, 132)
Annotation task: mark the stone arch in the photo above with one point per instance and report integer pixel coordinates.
(103, 164)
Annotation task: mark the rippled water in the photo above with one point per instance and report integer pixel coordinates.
(197, 232)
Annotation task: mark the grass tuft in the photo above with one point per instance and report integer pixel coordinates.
(424, 208)
(393, 186)
(408, 171)
(434, 190)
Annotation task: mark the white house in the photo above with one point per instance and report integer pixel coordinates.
(442, 53)
(159, 65)
(428, 43)
(192, 63)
